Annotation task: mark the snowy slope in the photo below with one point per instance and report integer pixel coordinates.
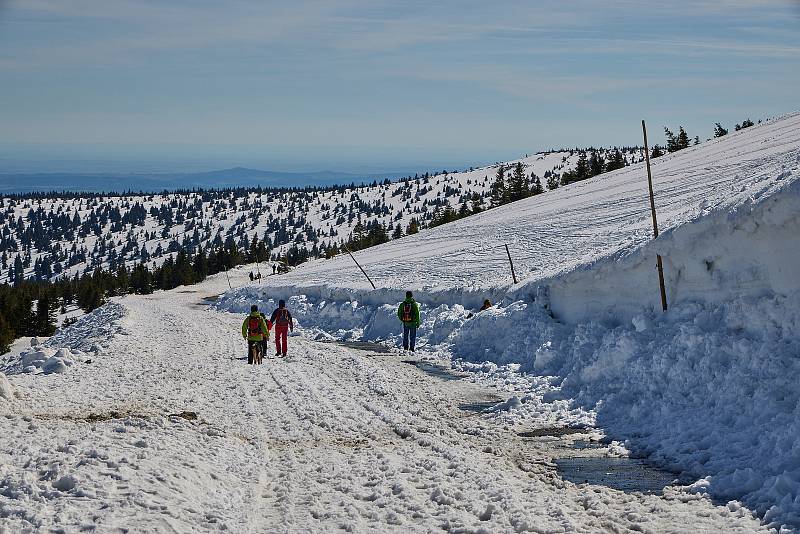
(708, 389)
(576, 225)
(181, 220)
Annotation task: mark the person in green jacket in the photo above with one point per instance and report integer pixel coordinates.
(255, 331)
(408, 313)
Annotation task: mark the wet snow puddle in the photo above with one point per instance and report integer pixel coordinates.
(555, 431)
(206, 301)
(435, 370)
(624, 474)
(480, 406)
(366, 346)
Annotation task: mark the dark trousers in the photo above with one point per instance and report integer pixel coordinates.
(409, 336)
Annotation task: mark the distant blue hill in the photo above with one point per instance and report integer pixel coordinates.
(152, 183)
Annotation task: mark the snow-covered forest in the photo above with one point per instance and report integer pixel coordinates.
(48, 236)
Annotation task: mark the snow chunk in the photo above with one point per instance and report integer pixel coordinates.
(6, 389)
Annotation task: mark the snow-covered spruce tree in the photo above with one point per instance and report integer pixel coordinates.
(719, 131)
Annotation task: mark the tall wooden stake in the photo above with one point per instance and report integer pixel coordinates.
(659, 265)
(359, 266)
(513, 274)
(228, 277)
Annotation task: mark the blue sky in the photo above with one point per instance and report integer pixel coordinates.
(341, 83)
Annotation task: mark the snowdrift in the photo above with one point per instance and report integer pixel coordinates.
(707, 388)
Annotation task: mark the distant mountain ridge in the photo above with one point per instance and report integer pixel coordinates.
(156, 182)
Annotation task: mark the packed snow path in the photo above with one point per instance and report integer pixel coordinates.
(330, 439)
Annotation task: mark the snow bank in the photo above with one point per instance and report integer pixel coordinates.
(750, 250)
(68, 346)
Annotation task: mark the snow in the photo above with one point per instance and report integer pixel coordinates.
(164, 431)
(706, 389)
(159, 425)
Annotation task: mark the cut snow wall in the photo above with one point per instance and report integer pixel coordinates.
(752, 251)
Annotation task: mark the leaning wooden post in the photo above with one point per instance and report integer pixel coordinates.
(659, 265)
(228, 277)
(359, 266)
(513, 274)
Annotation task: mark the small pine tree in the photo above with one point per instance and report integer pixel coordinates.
(595, 164)
(672, 141)
(553, 182)
(616, 161)
(657, 152)
(413, 226)
(44, 320)
(683, 139)
(582, 170)
(719, 131)
(536, 188)
(498, 188)
(476, 202)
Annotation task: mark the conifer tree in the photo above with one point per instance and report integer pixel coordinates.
(44, 321)
(616, 161)
(518, 187)
(536, 187)
(498, 188)
(719, 131)
(7, 335)
(683, 139)
(476, 202)
(595, 164)
(656, 152)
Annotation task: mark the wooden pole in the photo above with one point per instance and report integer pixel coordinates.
(513, 274)
(228, 277)
(359, 266)
(659, 264)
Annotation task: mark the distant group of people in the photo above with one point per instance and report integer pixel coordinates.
(256, 330)
(276, 269)
(256, 327)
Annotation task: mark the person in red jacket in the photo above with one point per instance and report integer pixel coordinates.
(283, 322)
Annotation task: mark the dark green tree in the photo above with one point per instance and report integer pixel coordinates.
(497, 190)
(616, 161)
(595, 164)
(719, 131)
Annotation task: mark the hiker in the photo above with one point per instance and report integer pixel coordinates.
(254, 330)
(274, 267)
(251, 276)
(408, 313)
(283, 322)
